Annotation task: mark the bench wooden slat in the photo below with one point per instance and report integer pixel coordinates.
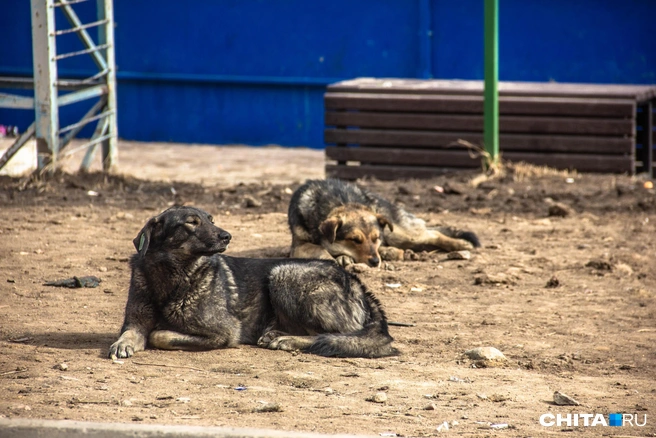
(508, 142)
(580, 162)
(416, 157)
(384, 173)
(462, 159)
(470, 123)
(547, 106)
(639, 93)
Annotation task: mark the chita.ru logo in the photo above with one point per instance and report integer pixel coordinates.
(591, 420)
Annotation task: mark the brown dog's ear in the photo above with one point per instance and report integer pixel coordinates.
(329, 228)
(142, 241)
(383, 221)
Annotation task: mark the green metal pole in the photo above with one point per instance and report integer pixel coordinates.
(491, 106)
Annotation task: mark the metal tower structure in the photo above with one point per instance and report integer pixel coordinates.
(51, 139)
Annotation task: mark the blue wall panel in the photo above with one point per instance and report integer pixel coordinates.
(599, 41)
(254, 71)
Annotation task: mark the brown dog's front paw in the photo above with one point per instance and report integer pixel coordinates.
(461, 245)
(344, 260)
(390, 254)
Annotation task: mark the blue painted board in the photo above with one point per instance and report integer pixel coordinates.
(254, 71)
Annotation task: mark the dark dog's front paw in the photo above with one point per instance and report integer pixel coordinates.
(277, 340)
(267, 338)
(121, 349)
(129, 343)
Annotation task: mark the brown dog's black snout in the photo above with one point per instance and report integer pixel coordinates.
(225, 237)
(374, 261)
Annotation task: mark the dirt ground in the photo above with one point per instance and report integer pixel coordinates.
(569, 300)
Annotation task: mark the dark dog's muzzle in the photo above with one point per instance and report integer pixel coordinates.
(224, 237)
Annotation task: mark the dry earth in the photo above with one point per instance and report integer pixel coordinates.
(569, 300)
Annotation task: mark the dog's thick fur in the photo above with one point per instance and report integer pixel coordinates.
(185, 296)
(332, 219)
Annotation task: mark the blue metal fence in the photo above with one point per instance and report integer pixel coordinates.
(254, 71)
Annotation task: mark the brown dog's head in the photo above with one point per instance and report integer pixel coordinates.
(356, 231)
(185, 230)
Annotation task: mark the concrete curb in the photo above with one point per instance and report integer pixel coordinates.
(28, 428)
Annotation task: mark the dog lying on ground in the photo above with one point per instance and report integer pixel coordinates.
(332, 219)
(184, 295)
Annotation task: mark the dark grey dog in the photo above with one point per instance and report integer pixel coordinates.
(185, 296)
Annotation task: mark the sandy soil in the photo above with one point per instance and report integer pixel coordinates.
(569, 300)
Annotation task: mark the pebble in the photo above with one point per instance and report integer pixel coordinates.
(564, 400)
(252, 202)
(599, 264)
(558, 209)
(485, 353)
(268, 407)
(499, 426)
(124, 216)
(61, 366)
(379, 397)
(459, 255)
(553, 282)
(443, 427)
(357, 268)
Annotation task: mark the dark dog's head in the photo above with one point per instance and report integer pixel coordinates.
(356, 231)
(187, 230)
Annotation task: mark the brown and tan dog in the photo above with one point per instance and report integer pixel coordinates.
(333, 219)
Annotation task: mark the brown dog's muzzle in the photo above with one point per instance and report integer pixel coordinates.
(374, 262)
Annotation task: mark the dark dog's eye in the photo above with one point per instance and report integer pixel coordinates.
(356, 240)
(195, 220)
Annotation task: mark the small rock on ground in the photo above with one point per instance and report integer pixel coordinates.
(562, 399)
(559, 210)
(379, 397)
(485, 353)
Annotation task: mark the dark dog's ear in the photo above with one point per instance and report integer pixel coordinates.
(329, 228)
(383, 221)
(142, 241)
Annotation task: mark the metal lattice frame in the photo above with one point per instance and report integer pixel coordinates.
(51, 139)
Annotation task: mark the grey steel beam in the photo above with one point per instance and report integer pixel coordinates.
(106, 36)
(101, 130)
(20, 141)
(24, 102)
(16, 101)
(82, 33)
(77, 96)
(44, 50)
(73, 132)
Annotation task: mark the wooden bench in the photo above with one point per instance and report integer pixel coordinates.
(402, 128)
